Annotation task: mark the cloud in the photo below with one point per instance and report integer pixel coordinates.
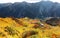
(6, 1)
(55, 0)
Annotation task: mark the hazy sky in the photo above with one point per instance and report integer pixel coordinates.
(6, 1)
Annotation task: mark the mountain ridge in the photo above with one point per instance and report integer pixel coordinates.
(32, 10)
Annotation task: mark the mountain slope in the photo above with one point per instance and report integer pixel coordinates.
(33, 10)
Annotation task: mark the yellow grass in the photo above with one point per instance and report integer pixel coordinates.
(24, 26)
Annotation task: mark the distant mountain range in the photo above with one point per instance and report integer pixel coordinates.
(40, 9)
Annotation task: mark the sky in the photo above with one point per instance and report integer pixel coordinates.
(30, 1)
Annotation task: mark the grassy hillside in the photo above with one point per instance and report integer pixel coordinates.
(27, 28)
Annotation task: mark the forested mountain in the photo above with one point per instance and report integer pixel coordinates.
(40, 9)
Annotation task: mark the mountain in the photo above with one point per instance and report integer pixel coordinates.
(40, 9)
